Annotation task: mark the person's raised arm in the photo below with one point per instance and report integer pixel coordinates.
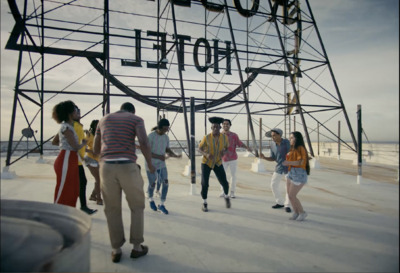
(171, 153)
(241, 144)
(56, 140)
(262, 156)
(144, 145)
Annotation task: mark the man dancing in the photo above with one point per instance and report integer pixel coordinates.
(212, 147)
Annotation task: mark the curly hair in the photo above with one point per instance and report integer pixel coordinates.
(93, 126)
(62, 110)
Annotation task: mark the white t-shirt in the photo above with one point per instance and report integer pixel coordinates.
(64, 145)
(158, 145)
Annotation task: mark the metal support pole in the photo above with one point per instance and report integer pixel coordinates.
(338, 147)
(158, 59)
(180, 73)
(293, 81)
(106, 52)
(192, 142)
(294, 123)
(246, 100)
(260, 135)
(318, 139)
(42, 85)
(332, 75)
(16, 92)
(359, 146)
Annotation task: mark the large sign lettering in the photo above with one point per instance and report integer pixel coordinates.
(215, 50)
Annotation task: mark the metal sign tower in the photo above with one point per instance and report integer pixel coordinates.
(239, 59)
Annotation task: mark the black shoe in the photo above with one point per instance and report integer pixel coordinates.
(288, 210)
(228, 202)
(116, 257)
(204, 208)
(277, 206)
(88, 211)
(136, 254)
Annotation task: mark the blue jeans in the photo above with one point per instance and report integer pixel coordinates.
(161, 176)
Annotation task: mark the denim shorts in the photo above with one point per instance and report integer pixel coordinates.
(91, 162)
(297, 175)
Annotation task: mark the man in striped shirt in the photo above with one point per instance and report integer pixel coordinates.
(115, 142)
(212, 147)
(159, 145)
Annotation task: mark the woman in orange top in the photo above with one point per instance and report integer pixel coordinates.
(297, 161)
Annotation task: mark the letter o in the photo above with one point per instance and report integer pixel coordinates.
(246, 12)
(196, 52)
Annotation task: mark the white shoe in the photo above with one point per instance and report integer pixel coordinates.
(222, 194)
(233, 194)
(302, 216)
(294, 216)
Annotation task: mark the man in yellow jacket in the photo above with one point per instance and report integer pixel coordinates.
(212, 147)
(78, 127)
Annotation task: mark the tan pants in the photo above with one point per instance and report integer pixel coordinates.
(115, 178)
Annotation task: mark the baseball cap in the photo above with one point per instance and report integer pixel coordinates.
(276, 130)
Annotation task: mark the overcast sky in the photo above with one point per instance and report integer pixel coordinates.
(362, 42)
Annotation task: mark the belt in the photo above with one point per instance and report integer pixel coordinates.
(119, 162)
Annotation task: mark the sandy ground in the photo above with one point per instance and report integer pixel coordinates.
(350, 227)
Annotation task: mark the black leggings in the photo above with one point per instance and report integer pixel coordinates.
(205, 177)
(82, 186)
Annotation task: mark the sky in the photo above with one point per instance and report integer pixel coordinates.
(361, 38)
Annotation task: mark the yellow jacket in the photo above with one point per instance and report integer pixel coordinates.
(214, 146)
(89, 144)
(81, 135)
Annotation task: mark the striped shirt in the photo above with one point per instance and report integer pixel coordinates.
(234, 142)
(158, 145)
(213, 146)
(118, 131)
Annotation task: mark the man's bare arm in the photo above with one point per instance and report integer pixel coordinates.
(56, 140)
(145, 146)
(97, 144)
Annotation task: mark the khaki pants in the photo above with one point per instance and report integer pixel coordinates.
(115, 178)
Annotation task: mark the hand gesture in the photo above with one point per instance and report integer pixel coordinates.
(151, 168)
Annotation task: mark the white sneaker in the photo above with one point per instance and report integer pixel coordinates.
(222, 194)
(302, 216)
(294, 216)
(232, 194)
